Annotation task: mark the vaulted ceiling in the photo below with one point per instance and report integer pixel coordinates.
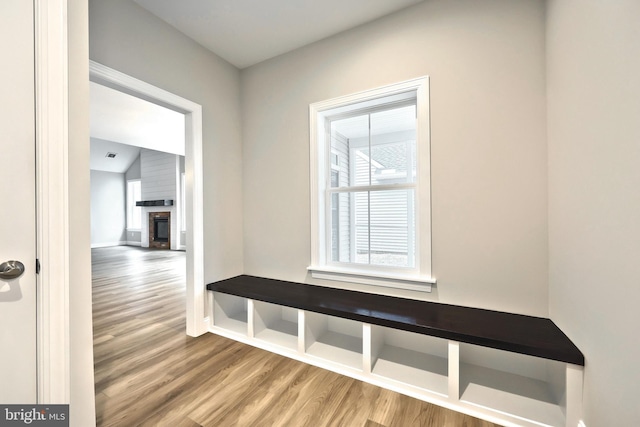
(245, 32)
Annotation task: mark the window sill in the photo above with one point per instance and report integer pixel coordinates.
(398, 281)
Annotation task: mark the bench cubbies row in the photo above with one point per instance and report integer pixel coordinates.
(500, 386)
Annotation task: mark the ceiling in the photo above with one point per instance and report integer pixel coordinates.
(245, 32)
(125, 155)
(117, 118)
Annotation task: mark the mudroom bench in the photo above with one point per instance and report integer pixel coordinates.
(506, 368)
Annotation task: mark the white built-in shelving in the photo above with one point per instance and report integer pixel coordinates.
(500, 386)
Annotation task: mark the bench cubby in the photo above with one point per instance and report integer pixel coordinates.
(334, 339)
(518, 385)
(410, 359)
(510, 369)
(276, 324)
(230, 312)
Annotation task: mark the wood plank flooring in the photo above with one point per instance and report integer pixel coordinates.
(149, 373)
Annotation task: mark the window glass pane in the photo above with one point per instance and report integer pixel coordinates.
(383, 231)
(361, 165)
(375, 149)
(349, 137)
(393, 142)
(361, 206)
(392, 228)
(341, 227)
(183, 203)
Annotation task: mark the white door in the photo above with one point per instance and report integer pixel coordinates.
(17, 204)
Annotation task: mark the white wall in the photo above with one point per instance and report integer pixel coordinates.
(594, 196)
(108, 208)
(129, 39)
(486, 61)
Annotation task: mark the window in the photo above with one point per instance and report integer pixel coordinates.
(183, 203)
(134, 213)
(370, 186)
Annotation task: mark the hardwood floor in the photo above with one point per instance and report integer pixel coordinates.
(149, 373)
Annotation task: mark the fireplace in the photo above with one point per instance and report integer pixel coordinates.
(160, 230)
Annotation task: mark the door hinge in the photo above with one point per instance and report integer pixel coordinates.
(37, 266)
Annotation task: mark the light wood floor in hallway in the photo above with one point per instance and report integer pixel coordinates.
(149, 373)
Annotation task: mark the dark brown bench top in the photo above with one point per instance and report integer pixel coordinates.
(534, 336)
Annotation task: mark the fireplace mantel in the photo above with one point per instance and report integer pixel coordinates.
(166, 202)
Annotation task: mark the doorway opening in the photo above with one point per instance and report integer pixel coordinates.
(196, 321)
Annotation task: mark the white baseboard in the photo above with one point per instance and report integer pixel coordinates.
(108, 244)
(129, 243)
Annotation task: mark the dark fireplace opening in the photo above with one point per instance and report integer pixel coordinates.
(161, 229)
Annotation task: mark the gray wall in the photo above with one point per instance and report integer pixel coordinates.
(134, 171)
(486, 62)
(108, 210)
(129, 39)
(594, 197)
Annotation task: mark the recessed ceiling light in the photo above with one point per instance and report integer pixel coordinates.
(111, 155)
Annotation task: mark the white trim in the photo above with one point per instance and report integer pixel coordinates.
(52, 110)
(195, 306)
(108, 244)
(416, 278)
(387, 280)
(132, 243)
(574, 380)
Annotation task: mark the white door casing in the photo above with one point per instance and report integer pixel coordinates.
(196, 318)
(18, 380)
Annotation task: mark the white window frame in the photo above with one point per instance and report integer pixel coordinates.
(418, 278)
(183, 203)
(131, 206)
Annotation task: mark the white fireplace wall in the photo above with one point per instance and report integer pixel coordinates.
(159, 175)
